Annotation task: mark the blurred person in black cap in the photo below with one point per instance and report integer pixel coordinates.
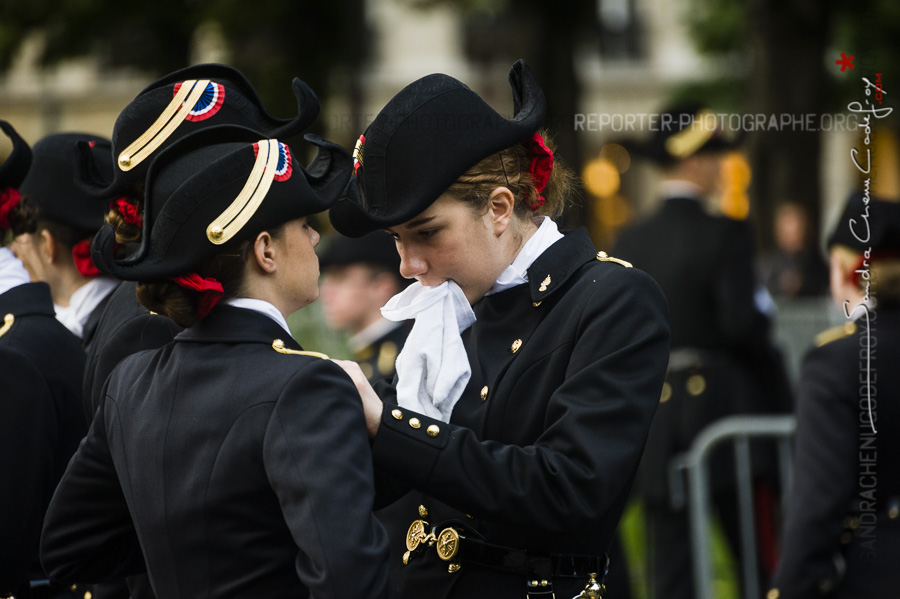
(842, 527)
(228, 485)
(722, 361)
(182, 102)
(41, 364)
(53, 226)
(359, 276)
(529, 379)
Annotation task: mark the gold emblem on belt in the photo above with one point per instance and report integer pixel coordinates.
(447, 544)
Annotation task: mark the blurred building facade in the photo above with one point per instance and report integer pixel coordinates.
(643, 51)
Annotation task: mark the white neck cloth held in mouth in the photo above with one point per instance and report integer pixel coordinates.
(432, 368)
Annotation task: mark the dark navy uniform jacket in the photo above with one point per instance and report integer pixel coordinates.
(124, 328)
(704, 265)
(240, 471)
(41, 363)
(842, 528)
(542, 447)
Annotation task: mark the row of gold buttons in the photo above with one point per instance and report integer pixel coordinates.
(432, 431)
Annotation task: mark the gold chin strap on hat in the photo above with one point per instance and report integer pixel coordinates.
(181, 105)
(687, 141)
(251, 196)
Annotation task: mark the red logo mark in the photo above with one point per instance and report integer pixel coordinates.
(845, 61)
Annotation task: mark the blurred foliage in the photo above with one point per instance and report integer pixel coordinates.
(634, 534)
(309, 329)
(867, 29)
(717, 26)
(271, 41)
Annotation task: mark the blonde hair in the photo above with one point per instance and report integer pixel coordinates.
(509, 168)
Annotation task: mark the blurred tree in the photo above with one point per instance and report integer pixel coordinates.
(271, 41)
(789, 47)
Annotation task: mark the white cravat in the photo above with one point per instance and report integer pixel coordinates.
(261, 306)
(432, 368)
(12, 273)
(517, 272)
(82, 303)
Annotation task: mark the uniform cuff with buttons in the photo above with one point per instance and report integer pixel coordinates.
(408, 444)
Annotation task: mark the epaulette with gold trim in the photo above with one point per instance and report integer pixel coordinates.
(8, 321)
(835, 333)
(604, 257)
(278, 345)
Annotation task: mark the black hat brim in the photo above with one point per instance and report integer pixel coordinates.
(250, 113)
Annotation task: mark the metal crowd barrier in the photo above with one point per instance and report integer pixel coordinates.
(739, 430)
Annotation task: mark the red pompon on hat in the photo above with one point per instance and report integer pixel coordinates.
(129, 211)
(82, 254)
(211, 291)
(541, 165)
(9, 199)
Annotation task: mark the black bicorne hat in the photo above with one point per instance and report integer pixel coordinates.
(375, 249)
(188, 100)
(867, 222)
(429, 134)
(15, 167)
(216, 188)
(50, 184)
(683, 131)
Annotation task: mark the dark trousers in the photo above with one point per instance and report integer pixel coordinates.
(618, 580)
(669, 550)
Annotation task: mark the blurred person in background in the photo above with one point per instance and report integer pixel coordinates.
(41, 364)
(722, 361)
(794, 268)
(842, 528)
(359, 276)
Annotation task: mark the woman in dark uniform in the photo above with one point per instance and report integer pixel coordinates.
(842, 528)
(220, 95)
(232, 461)
(40, 400)
(527, 385)
(53, 226)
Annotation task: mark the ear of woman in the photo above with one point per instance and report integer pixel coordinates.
(265, 252)
(49, 248)
(501, 203)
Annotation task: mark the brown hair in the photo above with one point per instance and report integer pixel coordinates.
(509, 168)
(180, 304)
(127, 232)
(26, 217)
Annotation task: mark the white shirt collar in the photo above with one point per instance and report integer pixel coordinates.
(517, 272)
(263, 307)
(83, 302)
(12, 273)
